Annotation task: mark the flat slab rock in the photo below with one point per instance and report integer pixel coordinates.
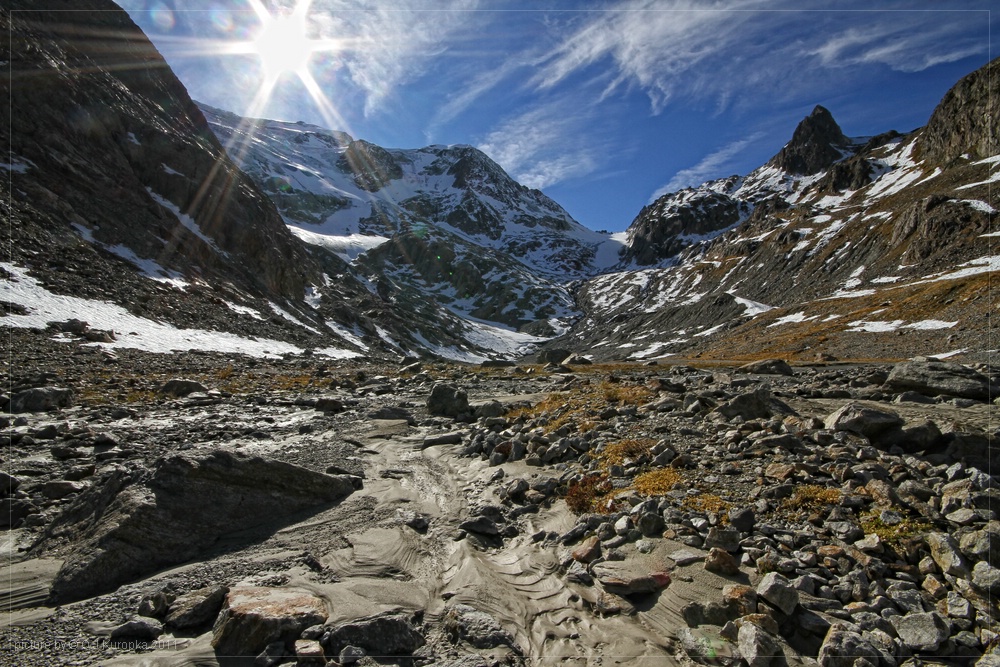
(121, 529)
(937, 378)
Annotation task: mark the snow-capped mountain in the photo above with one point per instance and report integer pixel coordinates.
(873, 247)
(440, 222)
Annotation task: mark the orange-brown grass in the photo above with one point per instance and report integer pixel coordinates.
(707, 502)
(812, 497)
(589, 494)
(626, 394)
(615, 453)
(657, 482)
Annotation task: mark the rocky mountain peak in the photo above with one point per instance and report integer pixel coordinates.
(813, 146)
(962, 123)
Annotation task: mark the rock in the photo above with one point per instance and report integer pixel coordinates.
(757, 647)
(740, 598)
(273, 654)
(983, 544)
(351, 654)
(588, 550)
(777, 590)
(448, 401)
(767, 367)
(254, 617)
(868, 421)
(309, 652)
(986, 578)
(629, 578)
(842, 647)
(388, 635)
(391, 412)
(935, 378)
(452, 438)
(578, 360)
(721, 562)
(60, 488)
(687, 557)
(750, 405)
(498, 363)
(480, 629)
(553, 356)
(138, 627)
(330, 404)
(650, 524)
(8, 484)
(121, 528)
(946, 554)
(723, 538)
(197, 608)
(15, 510)
(706, 646)
(481, 524)
(921, 631)
(179, 387)
(742, 519)
(40, 399)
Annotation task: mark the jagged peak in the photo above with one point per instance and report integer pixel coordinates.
(814, 144)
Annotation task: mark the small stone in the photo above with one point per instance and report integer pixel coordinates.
(351, 654)
(742, 519)
(727, 539)
(946, 554)
(741, 598)
(721, 562)
(309, 652)
(921, 631)
(179, 387)
(756, 646)
(842, 647)
(588, 550)
(986, 578)
(650, 524)
(138, 627)
(777, 590)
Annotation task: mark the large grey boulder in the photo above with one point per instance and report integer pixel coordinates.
(254, 617)
(127, 526)
(937, 378)
(40, 399)
(842, 647)
(867, 420)
(447, 400)
(387, 635)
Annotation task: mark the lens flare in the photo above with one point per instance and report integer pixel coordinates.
(163, 17)
(283, 46)
(222, 20)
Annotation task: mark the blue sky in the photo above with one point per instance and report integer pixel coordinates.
(602, 105)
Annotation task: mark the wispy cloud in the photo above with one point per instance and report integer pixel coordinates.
(710, 166)
(390, 45)
(907, 44)
(544, 146)
(722, 51)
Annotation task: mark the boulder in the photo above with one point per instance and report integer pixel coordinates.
(138, 627)
(197, 608)
(480, 629)
(869, 421)
(254, 617)
(921, 631)
(721, 562)
(757, 646)
(386, 635)
(946, 554)
(937, 378)
(767, 367)
(777, 590)
(842, 647)
(553, 356)
(628, 578)
(123, 528)
(40, 399)
(181, 387)
(448, 401)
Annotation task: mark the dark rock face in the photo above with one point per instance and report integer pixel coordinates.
(372, 166)
(389, 634)
(676, 220)
(40, 399)
(107, 116)
(960, 124)
(123, 528)
(813, 145)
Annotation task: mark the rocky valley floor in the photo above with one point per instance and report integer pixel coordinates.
(275, 511)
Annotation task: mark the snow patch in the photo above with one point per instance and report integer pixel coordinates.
(132, 331)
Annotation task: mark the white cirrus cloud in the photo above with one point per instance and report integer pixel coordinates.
(707, 168)
(544, 146)
(673, 49)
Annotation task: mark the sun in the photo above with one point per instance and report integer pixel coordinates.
(283, 45)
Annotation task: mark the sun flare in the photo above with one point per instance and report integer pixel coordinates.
(283, 45)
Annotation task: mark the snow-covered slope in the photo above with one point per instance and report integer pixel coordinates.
(440, 222)
(875, 247)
